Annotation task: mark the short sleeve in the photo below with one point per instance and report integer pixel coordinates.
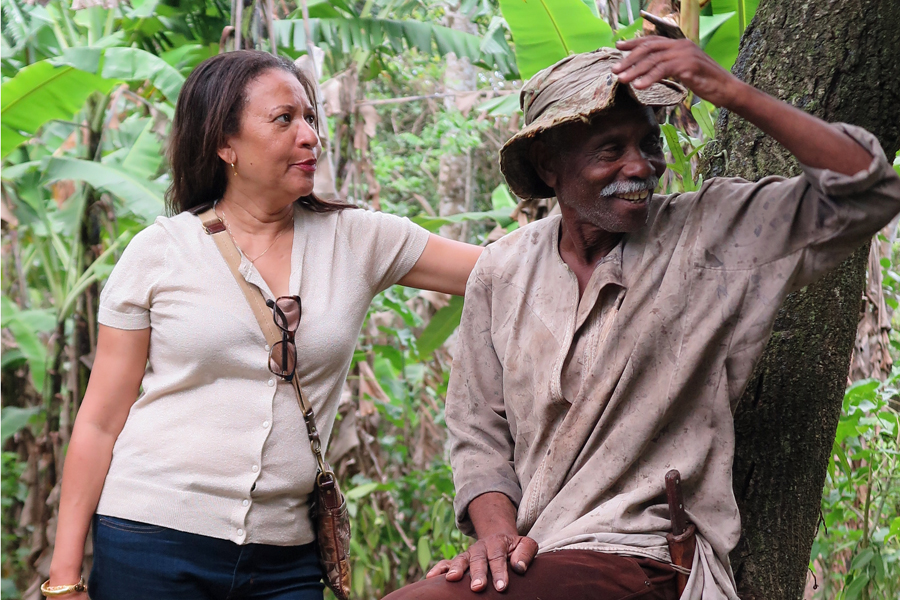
(127, 297)
(387, 245)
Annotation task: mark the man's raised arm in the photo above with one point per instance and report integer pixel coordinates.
(811, 140)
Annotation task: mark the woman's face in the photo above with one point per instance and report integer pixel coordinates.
(274, 153)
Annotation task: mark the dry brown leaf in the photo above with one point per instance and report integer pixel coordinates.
(360, 140)
(436, 299)
(370, 118)
(366, 408)
(345, 439)
(664, 9)
(368, 384)
(495, 234)
(465, 102)
(331, 96)
(6, 213)
(62, 191)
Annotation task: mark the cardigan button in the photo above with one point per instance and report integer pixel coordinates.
(271, 382)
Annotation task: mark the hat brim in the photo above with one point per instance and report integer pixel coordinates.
(515, 155)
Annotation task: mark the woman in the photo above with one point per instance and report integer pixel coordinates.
(198, 488)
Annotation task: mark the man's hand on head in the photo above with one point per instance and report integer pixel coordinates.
(489, 557)
(652, 59)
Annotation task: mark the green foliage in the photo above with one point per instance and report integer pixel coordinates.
(348, 35)
(546, 31)
(126, 64)
(401, 491)
(13, 492)
(87, 98)
(441, 326)
(858, 545)
(723, 45)
(42, 92)
(141, 196)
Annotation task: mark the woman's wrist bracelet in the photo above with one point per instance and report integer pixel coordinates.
(62, 590)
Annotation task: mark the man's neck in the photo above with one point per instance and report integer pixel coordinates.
(582, 244)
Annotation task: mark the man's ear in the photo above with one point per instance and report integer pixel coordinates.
(543, 163)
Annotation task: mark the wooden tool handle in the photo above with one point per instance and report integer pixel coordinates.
(676, 502)
(664, 27)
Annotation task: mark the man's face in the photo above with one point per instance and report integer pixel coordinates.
(605, 171)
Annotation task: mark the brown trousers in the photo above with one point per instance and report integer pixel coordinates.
(562, 575)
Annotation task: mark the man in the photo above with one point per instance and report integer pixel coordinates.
(604, 347)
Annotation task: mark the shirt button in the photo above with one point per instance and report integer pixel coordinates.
(267, 348)
(271, 382)
(255, 468)
(265, 424)
(245, 503)
(240, 532)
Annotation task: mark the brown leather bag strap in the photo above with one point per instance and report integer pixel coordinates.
(215, 228)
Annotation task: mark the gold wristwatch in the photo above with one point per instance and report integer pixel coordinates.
(62, 590)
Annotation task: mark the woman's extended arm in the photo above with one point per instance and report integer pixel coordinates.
(113, 388)
(443, 267)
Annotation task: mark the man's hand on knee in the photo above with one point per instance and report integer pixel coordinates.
(489, 557)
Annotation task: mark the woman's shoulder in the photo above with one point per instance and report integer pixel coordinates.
(183, 226)
(354, 222)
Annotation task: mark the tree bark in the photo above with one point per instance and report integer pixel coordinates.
(837, 60)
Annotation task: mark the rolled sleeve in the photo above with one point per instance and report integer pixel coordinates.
(482, 447)
(811, 222)
(127, 297)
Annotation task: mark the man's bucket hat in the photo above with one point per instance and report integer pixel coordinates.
(573, 89)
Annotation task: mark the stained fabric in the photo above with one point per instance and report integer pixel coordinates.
(666, 336)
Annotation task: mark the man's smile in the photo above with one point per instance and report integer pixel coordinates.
(634, 197)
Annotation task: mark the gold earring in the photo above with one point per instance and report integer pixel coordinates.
(233, 169)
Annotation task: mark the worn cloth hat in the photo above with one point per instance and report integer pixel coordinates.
(573, 89)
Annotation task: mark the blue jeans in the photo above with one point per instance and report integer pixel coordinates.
(138, 561)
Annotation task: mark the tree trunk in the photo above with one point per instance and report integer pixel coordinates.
(837, 60)
(454, 176)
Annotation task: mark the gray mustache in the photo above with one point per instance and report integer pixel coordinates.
(618, 188)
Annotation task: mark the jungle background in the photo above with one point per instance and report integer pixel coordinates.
(416, 97)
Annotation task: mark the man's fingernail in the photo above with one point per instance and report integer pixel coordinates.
(451, 572)
(521, 564)
(500, 585)
(476, 583)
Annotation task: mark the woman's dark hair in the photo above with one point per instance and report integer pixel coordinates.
(207, 113)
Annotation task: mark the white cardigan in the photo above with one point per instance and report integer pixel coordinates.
(215, 444)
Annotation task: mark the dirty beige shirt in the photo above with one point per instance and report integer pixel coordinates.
(215, 444)
(666, 335)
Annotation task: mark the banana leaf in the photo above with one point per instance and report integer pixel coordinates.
(546, 31)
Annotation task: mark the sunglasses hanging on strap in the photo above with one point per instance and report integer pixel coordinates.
(279, 320)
